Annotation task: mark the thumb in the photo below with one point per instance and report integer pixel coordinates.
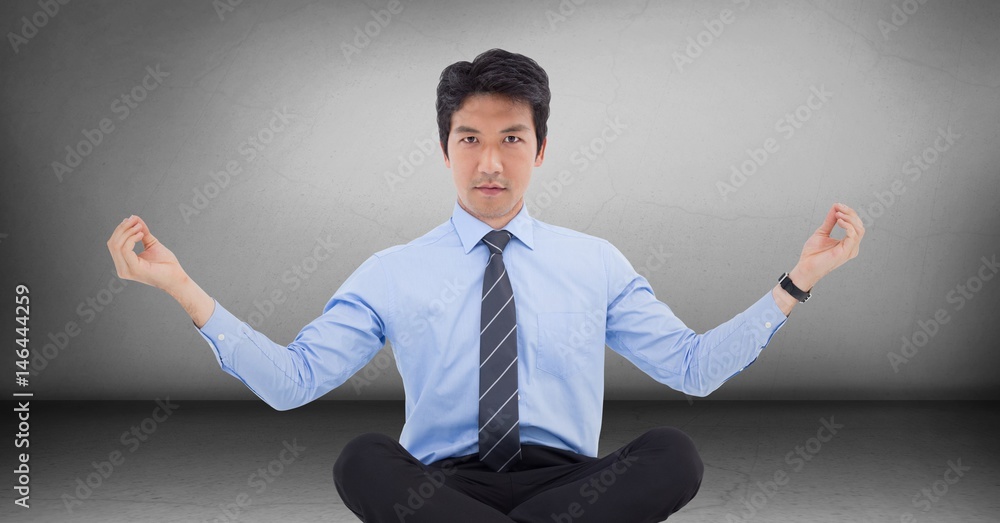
(828, 222)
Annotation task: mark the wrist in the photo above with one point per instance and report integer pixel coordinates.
(802, 279)
(195, 301)
(180, 286)
(783, 300)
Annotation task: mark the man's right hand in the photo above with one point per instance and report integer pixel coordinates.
(155, 265)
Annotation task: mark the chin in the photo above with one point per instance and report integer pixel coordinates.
(496, 210)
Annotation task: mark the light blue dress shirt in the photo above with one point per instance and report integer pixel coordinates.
(573, 294)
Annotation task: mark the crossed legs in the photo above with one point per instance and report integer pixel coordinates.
(645, 480)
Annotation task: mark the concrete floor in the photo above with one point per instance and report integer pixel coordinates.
(886, 460)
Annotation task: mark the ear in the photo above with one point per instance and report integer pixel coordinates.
(447, 162)
(541, 152)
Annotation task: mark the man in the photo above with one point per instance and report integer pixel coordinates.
(502, 371)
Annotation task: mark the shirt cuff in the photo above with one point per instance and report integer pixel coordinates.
(764, 318)
(221, 331)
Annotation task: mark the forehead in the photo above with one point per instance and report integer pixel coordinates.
(492, 108)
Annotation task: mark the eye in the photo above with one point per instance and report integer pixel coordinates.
(467, 138)
(516, 139)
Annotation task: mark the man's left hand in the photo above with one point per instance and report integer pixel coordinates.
(821, 253)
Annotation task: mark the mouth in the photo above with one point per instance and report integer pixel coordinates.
(490, 190)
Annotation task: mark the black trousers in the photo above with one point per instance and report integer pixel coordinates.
(646, 480)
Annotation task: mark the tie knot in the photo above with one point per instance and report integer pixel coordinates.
(497, 240)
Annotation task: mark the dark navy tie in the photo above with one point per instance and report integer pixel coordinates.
(499, 438)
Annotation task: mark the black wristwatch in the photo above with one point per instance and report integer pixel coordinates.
(790, 288)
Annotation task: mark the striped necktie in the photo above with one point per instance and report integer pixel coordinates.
(499, 438)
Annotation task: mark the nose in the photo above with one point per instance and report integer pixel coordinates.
(489, 161)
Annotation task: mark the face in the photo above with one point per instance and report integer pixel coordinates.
(492, 144)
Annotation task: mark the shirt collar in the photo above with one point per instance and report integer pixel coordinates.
(471, 229)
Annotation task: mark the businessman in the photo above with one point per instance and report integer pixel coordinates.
(504, 379)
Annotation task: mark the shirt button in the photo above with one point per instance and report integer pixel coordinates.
(222, 337)
(767, 325)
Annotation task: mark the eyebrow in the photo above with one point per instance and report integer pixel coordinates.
(511, 129)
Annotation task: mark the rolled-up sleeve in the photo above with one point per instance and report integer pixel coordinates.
(325, 353)
(645, 331)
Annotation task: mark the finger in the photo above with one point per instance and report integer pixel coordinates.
(130, 226)
(115, 246)
(828, 222)
(859, 229)
(121, 233)
(854, 218)
(148, 240)
(112, 241)
(850, 240)
(126, 246)
(119, 264)
(128, 252)
(847, 226)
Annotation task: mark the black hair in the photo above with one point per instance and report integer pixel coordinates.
(512, 75)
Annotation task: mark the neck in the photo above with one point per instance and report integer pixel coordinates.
(498, 222)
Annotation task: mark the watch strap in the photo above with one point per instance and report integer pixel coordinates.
(786, 283)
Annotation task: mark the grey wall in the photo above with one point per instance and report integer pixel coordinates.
(653, 191)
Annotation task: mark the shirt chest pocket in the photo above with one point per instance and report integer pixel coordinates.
(568, 342)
